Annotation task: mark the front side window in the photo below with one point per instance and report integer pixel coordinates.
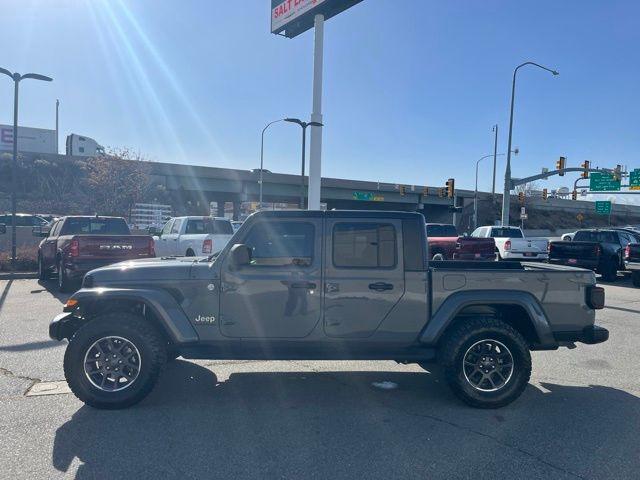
(364, 245)
(281, 244)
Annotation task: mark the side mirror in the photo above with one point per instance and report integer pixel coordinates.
(40, 231)
(3, 229)
(239, 255)
(153, 231)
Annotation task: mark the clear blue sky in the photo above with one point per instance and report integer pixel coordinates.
(412, 87)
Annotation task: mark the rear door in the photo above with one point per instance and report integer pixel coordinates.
(364, 274)
(278, 294)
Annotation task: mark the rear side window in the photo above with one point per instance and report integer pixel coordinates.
(506, 232)
(222, 227)
(364, 245)
(95, 226)
(281, 244)
(586, 236)
(209, 226)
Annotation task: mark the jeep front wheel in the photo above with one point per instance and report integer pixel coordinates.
(114, 360)
(485, 362)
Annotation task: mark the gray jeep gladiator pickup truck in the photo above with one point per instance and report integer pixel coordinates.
(324, 285)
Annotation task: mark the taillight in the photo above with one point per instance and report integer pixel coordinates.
(597, 250)
(507, 245)
(548, 248)
(74, 248)
(595, 297)
(627, 251)
(207, 246)
(151, 248)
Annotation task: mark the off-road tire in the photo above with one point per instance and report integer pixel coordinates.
(610, 270)
(64, 283)
(136, 330)
(455, 345)
(635, 279)
(43, 273)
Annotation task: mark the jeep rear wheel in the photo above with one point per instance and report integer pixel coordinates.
(114, 360)
(485, 362)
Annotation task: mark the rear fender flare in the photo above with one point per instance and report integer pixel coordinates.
(165, 308)
(453, 305)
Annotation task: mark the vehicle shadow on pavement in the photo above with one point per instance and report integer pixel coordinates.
(338, 425)
(51, 286)
(5, 293)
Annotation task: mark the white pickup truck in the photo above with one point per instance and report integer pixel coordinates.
(511, 244)
(193, 236)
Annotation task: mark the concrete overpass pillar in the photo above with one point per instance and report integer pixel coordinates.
(236, 210)
(220, 209)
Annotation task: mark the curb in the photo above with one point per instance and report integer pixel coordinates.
(18, 275)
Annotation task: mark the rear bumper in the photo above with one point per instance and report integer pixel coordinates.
(472, 256)
(77, 268)
(590, 335)
(588, 264)
(632, 266)
(522, 257)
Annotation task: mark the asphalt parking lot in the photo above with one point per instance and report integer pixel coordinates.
(579, 417)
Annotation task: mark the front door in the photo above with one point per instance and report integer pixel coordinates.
(278, 294)
(364, 275)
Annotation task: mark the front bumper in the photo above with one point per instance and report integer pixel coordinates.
(58, 327)
(590, 335)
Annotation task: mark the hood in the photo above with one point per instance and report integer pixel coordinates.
(169, 268)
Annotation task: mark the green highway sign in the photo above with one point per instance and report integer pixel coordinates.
(603, 182)
(368, 197)
(634, 179)
(603, 207)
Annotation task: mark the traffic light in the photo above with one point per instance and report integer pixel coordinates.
(451, 186)
(521, 198)
(560, 165)
(425, 190)
(574, 195)
(585, 165)
(545, 194)
(442, 192)
(402, 190)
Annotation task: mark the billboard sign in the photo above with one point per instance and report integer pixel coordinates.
(293, 17)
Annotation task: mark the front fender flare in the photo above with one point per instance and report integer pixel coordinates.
(454, 304)
(162, 304)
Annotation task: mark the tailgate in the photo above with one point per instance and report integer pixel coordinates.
(574, 250)
(521, 245)
(113, 246)
(481, 246)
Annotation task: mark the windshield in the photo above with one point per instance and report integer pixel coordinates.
(95, 226)
(506, 232)
(592, 236)
(435, 230)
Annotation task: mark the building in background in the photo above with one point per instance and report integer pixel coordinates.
(145, 215)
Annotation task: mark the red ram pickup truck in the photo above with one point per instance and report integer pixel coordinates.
(445, 244)
(74, 245)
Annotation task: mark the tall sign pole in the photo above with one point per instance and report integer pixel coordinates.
(315, 145)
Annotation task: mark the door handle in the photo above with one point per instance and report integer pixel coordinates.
(305, 285)
(380, 286)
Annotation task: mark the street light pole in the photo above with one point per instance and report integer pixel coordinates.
(495, 151)
(475, 194)
(16, 77)
(304, 126)
(262, 159)
(506, 196)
